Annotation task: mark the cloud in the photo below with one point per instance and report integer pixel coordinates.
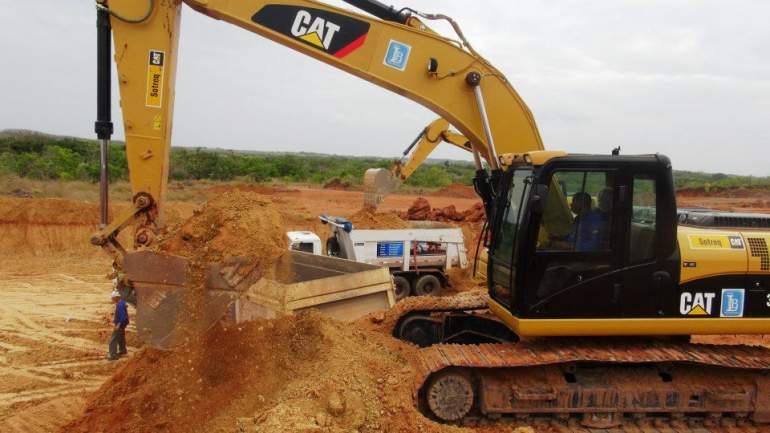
(688, 78)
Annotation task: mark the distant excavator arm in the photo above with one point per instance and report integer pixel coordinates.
(379, 182)
(436, 133)
(396, 52)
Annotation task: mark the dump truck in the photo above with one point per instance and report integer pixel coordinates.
(418, 257)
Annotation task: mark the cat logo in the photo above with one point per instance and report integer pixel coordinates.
(696, 304)
(330, 32)
(316, 31)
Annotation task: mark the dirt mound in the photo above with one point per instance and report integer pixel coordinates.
(231, 225)
(301, 373)
(421, 210)
(457, 190)
(244, 227)
(368, 218)
(338, 184)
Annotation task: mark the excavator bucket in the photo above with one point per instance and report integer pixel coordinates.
(176, 301)
(378, 183)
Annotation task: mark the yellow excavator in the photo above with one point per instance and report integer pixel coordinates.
(596, 280)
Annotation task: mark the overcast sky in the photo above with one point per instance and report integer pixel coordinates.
(687, 78)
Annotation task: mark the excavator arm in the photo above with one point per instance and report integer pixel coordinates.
(396, 51)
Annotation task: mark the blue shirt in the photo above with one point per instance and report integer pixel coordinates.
(589, 232)
(121, 313)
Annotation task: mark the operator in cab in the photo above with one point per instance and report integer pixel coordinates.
(588, 223)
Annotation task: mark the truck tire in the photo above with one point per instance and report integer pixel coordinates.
(402, 287)
(427, 285)
(332, 247)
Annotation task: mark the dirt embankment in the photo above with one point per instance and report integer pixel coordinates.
(421, 210)
(49, 226)
(456, 190)
(249, 188)
(758, 192)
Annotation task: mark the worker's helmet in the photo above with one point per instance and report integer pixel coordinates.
(115, 294)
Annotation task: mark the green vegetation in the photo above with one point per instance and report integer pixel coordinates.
(717, 181)
(39, 156)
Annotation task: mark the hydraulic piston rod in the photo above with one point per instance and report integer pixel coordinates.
(103, 126)
(474, 80)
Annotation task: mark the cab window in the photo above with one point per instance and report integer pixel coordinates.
(643, 219)
(578, 212)
(501, 260)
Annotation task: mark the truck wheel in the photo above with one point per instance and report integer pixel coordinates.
(402, 287)
(332, 247)
(427, 285)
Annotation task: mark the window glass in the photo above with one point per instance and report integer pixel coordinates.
(578, 212)
(504, 253)
(643, 219)
(516, 201)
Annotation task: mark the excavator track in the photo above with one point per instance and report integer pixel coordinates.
(467, 301)
(599, 383)
(595, 383)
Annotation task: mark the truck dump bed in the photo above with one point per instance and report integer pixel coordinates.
(342, 289)
(169, 307)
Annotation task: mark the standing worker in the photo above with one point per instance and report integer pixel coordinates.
(117, 345)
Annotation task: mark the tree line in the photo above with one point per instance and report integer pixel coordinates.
(41, 156)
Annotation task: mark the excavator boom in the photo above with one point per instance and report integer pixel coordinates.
(394, 50)
(439, 73)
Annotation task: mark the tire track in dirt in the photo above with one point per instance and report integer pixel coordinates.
(39, 418)
(53, 328)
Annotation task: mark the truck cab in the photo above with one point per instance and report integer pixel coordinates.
(306, 242)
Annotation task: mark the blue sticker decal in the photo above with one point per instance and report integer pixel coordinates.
(397, 56)
(733, 301)
(390, 249)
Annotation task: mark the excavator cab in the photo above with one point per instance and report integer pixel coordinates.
(583, 237)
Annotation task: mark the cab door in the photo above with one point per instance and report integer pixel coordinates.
(651, 259)
(574, 270)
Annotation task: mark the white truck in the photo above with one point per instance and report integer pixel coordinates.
(418, 257)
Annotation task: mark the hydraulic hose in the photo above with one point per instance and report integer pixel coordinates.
(101, 5)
